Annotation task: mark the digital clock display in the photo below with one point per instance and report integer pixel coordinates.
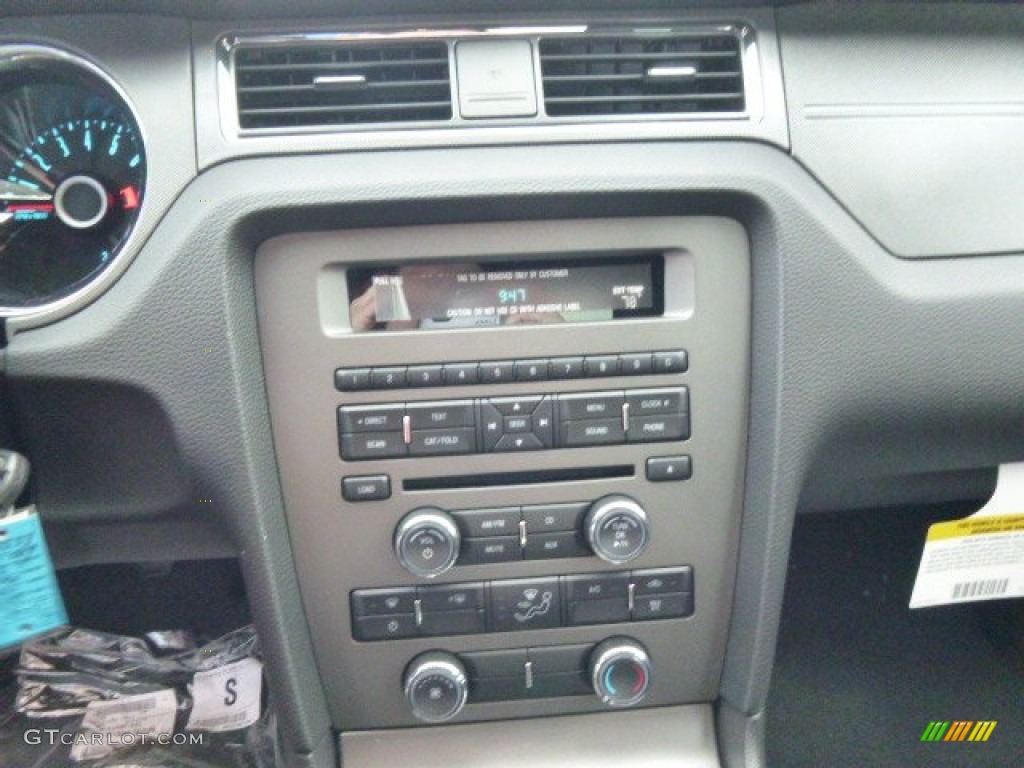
(491, 293)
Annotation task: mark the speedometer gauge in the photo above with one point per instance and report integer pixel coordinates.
(72, 176)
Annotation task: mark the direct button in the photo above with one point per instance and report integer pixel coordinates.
(371, 418)
(366, 488)
(442, 442)
(442, 415)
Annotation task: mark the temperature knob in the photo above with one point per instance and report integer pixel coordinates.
(620, 671)
(427, 542)
(616, 528)
(435, 686)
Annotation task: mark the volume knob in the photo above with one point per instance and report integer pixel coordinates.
(435, 686)
(616, 528)
(427, 542)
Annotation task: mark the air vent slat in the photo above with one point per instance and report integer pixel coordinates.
(321, 85)
(636, 74)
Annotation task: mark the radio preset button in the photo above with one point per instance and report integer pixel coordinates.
(351, 379)
(577, 434)
(600, 365)
(461, 373)
(371, 418)
(639, 364)
(372, 445)
(675, 361)
(440, 415)
(500, 372)
(566, 368)
(425, 375)
(387, 378)
(531, 370)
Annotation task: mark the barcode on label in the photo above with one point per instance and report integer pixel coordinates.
(968, 589)
(214, 723)
(124, 707)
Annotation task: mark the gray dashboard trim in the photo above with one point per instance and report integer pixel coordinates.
(913, 115)
(912, 363)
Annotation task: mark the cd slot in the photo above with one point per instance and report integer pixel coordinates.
(532, 477)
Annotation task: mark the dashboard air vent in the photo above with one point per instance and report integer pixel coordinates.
(343, 84)
(642, 74)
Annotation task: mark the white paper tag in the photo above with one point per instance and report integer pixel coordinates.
(122, 723)
(226, 698)
(980, 557)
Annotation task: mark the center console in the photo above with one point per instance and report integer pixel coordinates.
(512, 459)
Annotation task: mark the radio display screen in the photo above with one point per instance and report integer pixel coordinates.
(492, 293)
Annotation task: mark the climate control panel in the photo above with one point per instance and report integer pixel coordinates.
(512, 605)
(439, 684)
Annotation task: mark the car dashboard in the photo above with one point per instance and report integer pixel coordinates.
(503, 348)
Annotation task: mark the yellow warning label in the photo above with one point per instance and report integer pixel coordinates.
(977, 526)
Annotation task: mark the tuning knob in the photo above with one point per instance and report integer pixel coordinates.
(616, 528)
(435, 686)
(620, 671)
(427, 542)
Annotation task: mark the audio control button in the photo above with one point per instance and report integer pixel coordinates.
(590, 405)
(518, 442)
(652, 429)
(500, 372)
(441, 415)
(427, 542)
(638, 364)
(372, 445)
(578, 434)
(500, 521)
(644, 402)
(497, 549)
(492, 426)
(543, 422)
(554, 517)
(461, 373)
(516, 406)
(370, 418)
(545, 546)
(566, 368)
(442, 442)
(675, 361)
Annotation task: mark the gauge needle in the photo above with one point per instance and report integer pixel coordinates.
(21, 197)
